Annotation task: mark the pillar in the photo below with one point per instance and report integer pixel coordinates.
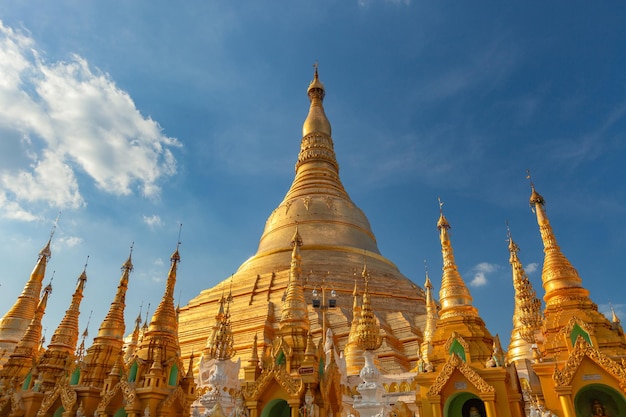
(566, 403)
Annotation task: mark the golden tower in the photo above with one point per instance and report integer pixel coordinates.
(338, 239)
(14, 323)
(527, 318)
(464, 369)
(25, 356)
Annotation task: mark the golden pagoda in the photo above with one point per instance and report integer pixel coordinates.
(464, 374)
(338, 239)
(292, 358)
(14, 323)
(583, 354)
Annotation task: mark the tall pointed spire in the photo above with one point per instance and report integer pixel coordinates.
(353, 351)
(164, 323)
(567, 301)
(26, 353)
(62, 346)
(294, 315)
(107, 345)
(559, 276)
(222, 342)
(14, 323)
(527, 317)
(368, 330)
(454, 296)
(432, 316)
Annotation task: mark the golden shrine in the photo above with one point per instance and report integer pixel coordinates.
(307, 329)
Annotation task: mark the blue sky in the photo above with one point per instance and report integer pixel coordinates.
(133, 117)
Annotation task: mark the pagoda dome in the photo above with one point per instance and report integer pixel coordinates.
(337, 240)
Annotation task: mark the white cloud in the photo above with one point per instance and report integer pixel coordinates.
(480, 272)
(152, 221)
(532, 267)
(70, 241)
(72, 120)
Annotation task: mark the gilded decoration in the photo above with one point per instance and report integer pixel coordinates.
(455, 362)
(179, 395)
(293, 386)
(581, 350)
(455, 336)
(62, 391)
(567, 329)
(128, 393)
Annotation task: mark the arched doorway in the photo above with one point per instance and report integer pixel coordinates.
(276, 408)
(464, 404)
(597, 395)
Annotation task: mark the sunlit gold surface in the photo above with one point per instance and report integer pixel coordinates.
(14, 323)
(527, 312)
(337, 239)
(565, 297)
(457, 316)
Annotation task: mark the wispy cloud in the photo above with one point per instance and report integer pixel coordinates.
(531, 267)
(70, 241)
(481, 271)
(152, 221)
(65, 120)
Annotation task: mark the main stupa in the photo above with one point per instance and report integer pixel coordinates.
(337, 243)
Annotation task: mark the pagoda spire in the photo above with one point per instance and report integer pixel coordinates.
(454, 296)
(294, 317)
(221, 345)
(294, 314)
(14, 323)
(163, 327)
(432, 316)
(353, 352)
(107, 345)
(559, 276)
(62, 347)
(527, 317)
(26, 353)
(567, 302)
(368, 330)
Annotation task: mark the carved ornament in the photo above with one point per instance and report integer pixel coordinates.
(567, 329)
(459, 338)
(176, 395)
(581, 350)
(454, 362)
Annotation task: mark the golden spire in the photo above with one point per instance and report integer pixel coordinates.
(107, 345)
(431, 318)
(368, 330)
(65, 336)
(353, 352)
(62, 345)
(527, 317)
(15, 322)
(164, 323)
(454, 296)
(221, 346)
(113, 326)
(26, 352)
(559, 276)
(294, 314)
(316, 121)
(565, 298)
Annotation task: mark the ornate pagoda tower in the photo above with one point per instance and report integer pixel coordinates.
(465, 373)
(583, 354)
(338, 240)
(14, 323)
